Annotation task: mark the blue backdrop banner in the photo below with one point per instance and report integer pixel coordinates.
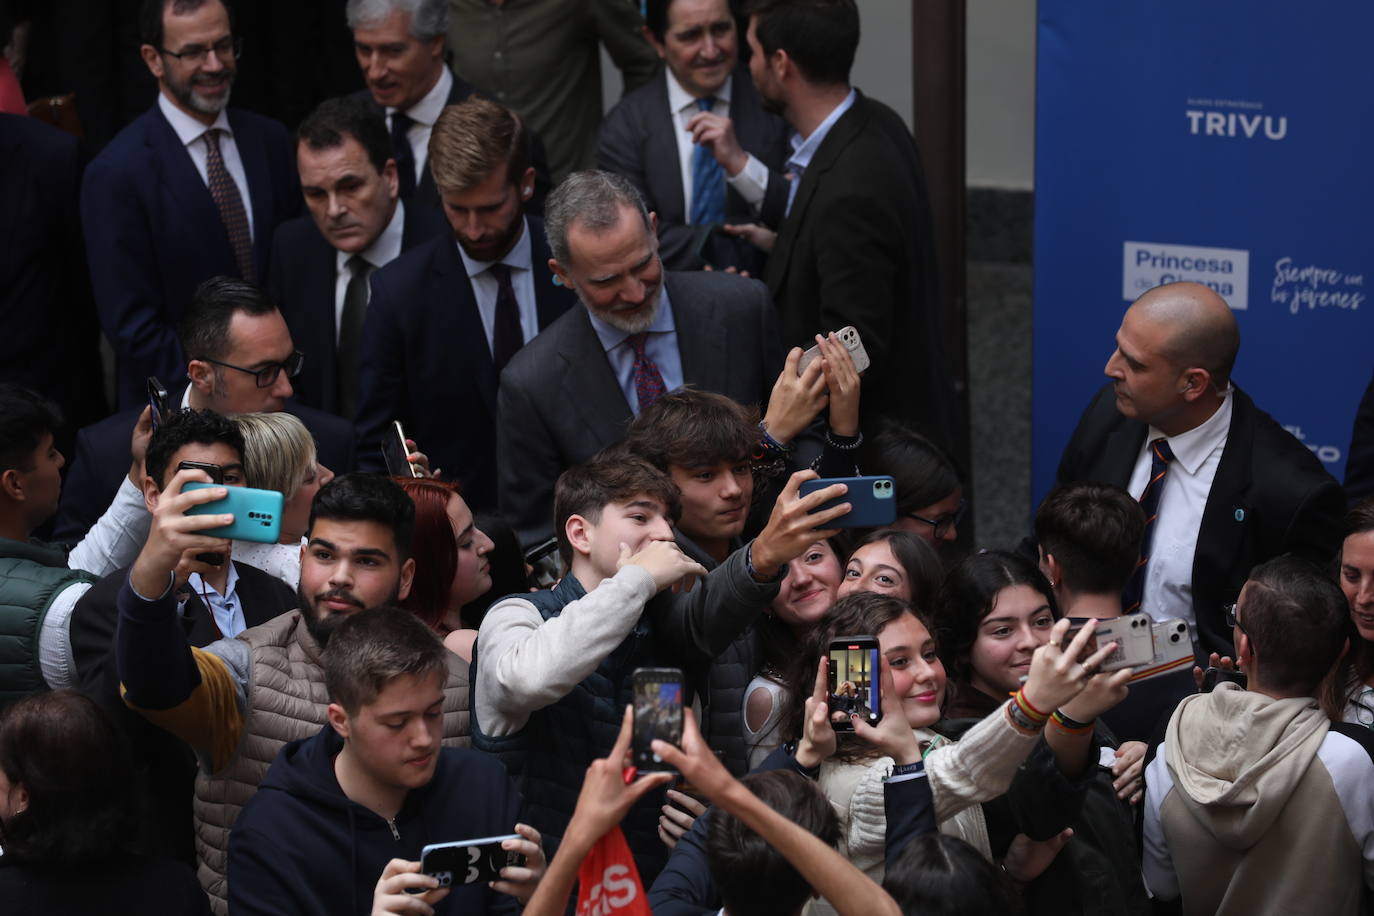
(1229, 142)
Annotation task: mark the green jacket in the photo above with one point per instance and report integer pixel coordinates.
(32, 575)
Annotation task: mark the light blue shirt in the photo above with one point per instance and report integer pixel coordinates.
(660, 346)
(226, 608)
(804, 150)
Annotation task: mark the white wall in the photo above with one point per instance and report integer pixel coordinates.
(1001, 94)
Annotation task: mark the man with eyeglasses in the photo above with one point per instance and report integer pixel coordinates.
(241, 360)
(189, 190)
(1255, 801)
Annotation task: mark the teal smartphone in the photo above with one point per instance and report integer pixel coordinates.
(257, 513)
(872, 500)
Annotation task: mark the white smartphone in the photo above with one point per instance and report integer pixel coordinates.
(849, 339)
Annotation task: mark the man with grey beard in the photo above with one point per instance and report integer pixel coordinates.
(644, 331)
(189, 190)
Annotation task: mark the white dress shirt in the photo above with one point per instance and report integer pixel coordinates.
(191, 133)
(422, 115)
(752, 180)
(485, 287)
(804, 149)
(1169, 572)
(383, 250)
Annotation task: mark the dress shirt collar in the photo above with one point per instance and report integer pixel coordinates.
(427, 110)
(1192, 448)
(612, 337)
(384, 248)
(804, 150)
(680, 99)
(187, 128)
(518, 258)
(201, 587)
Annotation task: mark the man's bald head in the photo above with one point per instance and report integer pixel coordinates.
(1202, 328)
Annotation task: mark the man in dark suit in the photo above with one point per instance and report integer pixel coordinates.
(856, 246)
(1224, 487)
(447, 316)
(643, 332)
(242, 360)
(400, 49)
(696, 141)
(52, 337)
(188, 191)
(321, 262)
(239, 596)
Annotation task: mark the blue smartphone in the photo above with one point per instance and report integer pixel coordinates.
(872, 500)
(257, 513)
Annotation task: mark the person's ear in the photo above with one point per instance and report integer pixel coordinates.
(391, 179)
(561, 276)
(653, 41)
(579, 532)
(12, 484)
(1245, 654)
(407, 577)
(780, 62)
(152, 59)
(653, 225)
(151, 493)
(338, 720)
(1195, 383)
(527, 184)
(202, 376)
(1050, 567)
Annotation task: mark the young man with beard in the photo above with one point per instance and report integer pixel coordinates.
(344, 814)
(188, 191)
(643, 332)
(448, 315)
(237, 702)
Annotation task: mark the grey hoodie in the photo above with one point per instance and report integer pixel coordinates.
(1247, 808)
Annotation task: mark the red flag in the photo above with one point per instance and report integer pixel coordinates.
(608, 882)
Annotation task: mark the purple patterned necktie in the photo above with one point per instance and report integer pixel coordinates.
(649, 385)
(230, 203)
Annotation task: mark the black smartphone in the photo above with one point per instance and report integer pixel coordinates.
(395, 453)
(872, 500)
(658, 713)
(1213, 676)
(543, 561)
(854, 688)
(467, 861)
(157, 400)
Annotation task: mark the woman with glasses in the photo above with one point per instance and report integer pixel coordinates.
(930, 497)
(1349, 692)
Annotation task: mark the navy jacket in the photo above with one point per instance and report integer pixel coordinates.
(153, 234)
(301, 846)
(426, 361)
(101, 459)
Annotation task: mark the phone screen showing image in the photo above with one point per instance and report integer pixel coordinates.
(658, 714)
(853, 672)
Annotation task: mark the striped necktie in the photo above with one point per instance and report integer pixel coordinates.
(708, 182)
(1160, 458)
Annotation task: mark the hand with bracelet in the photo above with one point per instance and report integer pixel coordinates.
(1056, 674)
(796, 399)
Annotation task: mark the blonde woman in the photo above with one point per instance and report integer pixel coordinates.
(279, 454)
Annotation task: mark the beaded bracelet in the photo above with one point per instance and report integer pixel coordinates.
(858, 441)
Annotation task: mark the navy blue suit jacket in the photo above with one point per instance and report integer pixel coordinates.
(302, 282)
(426, 361)
(153, 234)
(101, 460)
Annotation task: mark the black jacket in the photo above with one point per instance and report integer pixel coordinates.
(301, 846)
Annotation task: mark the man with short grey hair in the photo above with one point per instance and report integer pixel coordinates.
(572, 390)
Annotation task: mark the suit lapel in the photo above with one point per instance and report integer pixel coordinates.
(1224, 518)
(849, 126)
(697, 344)
(660, 150)
(321, 345)
(453, 289)
(589, 386)
(178, 174)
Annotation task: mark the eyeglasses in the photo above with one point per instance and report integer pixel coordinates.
(1231, 621)
(227, 48)
(266, 376)
(943, 524)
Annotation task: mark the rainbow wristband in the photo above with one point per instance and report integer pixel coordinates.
(1026, 707)
(1070, 726)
